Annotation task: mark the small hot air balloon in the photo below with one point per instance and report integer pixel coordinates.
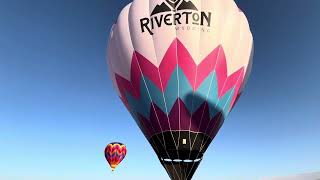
(179, 66)
(115, 153)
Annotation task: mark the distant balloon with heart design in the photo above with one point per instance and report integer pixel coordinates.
(115, 152)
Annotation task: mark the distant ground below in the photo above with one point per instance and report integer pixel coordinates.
(310, 176)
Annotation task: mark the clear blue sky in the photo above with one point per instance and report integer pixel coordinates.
(58, 109)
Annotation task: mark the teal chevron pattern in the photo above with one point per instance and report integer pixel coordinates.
(207, 91)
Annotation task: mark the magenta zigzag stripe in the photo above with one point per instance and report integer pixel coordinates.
(216, 60)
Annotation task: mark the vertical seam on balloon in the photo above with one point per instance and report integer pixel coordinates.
(117, 38)
(147, 85)
(206, 100)
(152, 101)
(207, 96)
(216, 62)
(150, 98)
(111, 70)
(162, 89)
(249, 66)
(241, 74)
(249, 63)
(194, 86)
(219, 116)
(165, 103)
(204, 142)
(179, 110)
(229, 98)
(142, 76)
(133, 86)
(210, 86)
(214, 70)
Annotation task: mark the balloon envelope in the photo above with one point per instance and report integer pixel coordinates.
(115, 153)
(179, 67)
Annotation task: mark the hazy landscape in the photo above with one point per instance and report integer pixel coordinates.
(310, 176)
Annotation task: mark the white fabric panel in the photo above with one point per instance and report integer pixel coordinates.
(190, 38)
(212, 39)
(229, 28)
(162, 37)
(142, 42)
(120, 48)
(112, 55)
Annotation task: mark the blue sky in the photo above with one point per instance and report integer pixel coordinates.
(58, 109)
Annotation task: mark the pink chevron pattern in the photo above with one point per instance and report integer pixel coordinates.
(177, 54)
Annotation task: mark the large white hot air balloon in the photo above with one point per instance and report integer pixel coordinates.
(179, 67)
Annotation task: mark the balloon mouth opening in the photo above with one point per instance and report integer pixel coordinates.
(180, 160)
(190, 150)
(113, 168)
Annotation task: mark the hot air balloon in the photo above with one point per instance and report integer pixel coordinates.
(115, 152)
(179, 67)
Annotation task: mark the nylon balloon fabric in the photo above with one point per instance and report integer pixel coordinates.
(179, 67)
(115, 153)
